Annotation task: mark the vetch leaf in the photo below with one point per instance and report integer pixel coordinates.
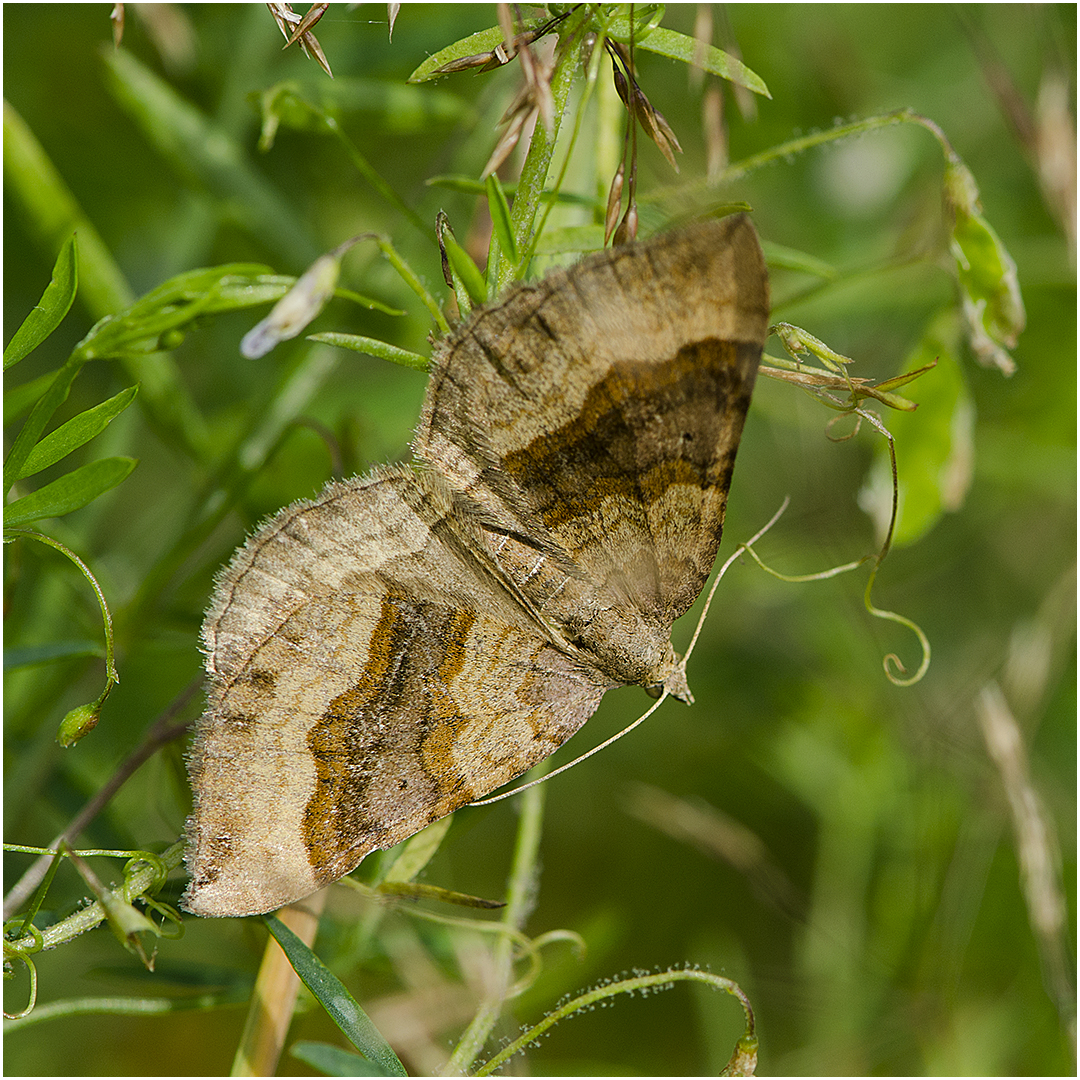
(176, 303)
(77, 431)
(336, 999)
(70, 492)
(55, 395)
(54, 304)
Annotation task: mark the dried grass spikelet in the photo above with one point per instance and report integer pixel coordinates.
(297, 28)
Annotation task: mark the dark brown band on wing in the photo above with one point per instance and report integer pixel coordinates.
(645, 428)
(367, 746)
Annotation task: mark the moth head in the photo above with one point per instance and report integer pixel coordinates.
(673, 679)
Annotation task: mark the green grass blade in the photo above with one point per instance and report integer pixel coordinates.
(193, 144)
(54, 304)
(713, 60)
(462, 264)
(373, 347)
(481, 42)
(52, 215)
(336, 999)
(333, 1061)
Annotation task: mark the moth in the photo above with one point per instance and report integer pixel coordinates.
(412, 639)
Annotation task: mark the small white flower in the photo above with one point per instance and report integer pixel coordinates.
(296, 309)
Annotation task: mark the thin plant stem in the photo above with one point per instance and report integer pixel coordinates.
(530, 188)
(641, 984)
(521, 895)
(94, 915)
(739, 169)
(371, 175)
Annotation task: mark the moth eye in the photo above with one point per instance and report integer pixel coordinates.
(654, 691)
(688, 436)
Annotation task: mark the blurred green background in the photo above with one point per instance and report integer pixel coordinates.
(853, 862)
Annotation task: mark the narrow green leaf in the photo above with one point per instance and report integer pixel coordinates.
(193, 284)
(54, 304)
(416, 890)
(713, 60)
(465, 184)
(500, 217)
(474, 45)
(42, 412)
(333, 1061)
(469, 186)
(235, 292)
(336, 999)
(373, 347)
(646, 18)
(77, 431)
(417, 852)
(71, 492)
(462, 264)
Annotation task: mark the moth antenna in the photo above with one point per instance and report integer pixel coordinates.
(578, 760)
(660, 701)
(724, 569)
